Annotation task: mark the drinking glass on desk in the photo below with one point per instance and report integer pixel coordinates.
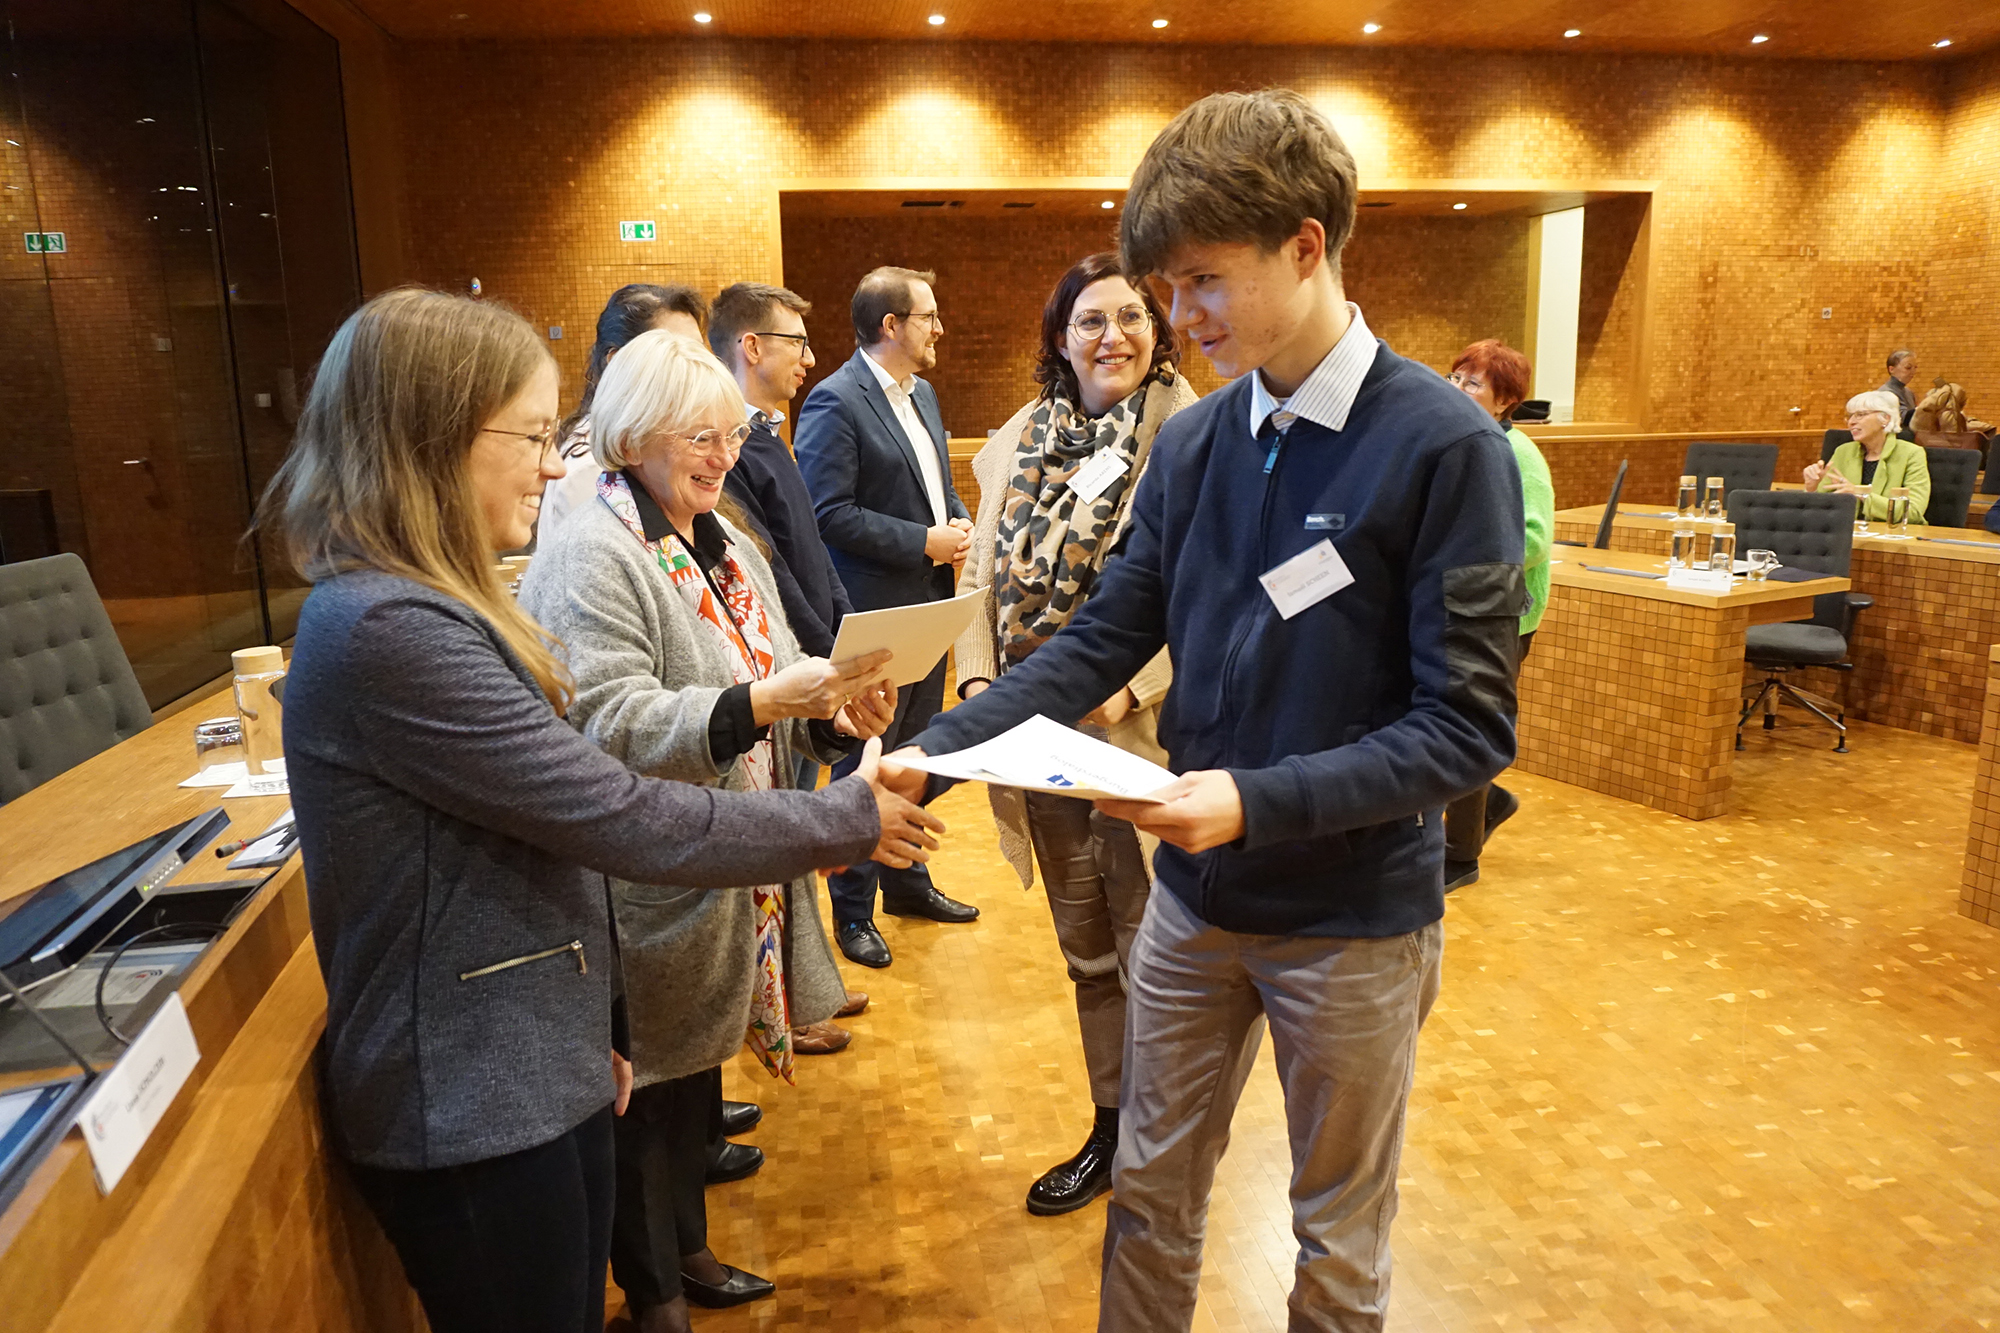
(1761, 564)
(1682, 555)
(218, 741)
(1899, 511)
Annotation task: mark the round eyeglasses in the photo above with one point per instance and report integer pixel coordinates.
(1093, 324)
(731, 439)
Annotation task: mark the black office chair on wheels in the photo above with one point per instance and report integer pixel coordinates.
(1954, 472)
(1812, 532)
(1742, 467)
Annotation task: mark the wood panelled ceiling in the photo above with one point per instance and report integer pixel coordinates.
(1794, 29)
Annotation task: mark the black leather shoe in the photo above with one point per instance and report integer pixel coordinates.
(931, 906)
(740, 1117)
(733, 1161)
(1066, 1187)
(740, 1289)
(862, 943)
(1458, 874)
(1501, 806)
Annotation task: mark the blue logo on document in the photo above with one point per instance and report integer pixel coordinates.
(1058, 780)
(1326, 522)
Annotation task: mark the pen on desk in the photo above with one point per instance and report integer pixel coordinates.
(227, 849)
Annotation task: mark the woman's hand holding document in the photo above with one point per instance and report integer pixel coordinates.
(1040, 755)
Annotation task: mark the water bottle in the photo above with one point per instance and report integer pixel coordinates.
(1899, 511)
(1687, 498)
(257, 671)
(1714, 503)
(1682, 554)
(1722, 548)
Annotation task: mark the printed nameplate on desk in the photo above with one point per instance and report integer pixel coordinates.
(1092, 478)
(1311, 576)
(129, 1100)
(1700, 580)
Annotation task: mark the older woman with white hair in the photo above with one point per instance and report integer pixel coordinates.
(1874, 463)
(685, 668)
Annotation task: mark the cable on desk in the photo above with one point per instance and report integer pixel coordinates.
(104, 1015)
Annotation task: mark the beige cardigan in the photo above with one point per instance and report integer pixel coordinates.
(977, 654)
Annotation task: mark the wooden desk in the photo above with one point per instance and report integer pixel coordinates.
(1919, 653)
(1979, 890)
(1633, 688)
(230, 1216)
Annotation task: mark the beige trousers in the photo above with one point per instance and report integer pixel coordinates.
(1343, 1015)
(1095, 872)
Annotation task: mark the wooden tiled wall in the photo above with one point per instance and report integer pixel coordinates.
(1979, 892)
(1773, 198)
(1634, 697)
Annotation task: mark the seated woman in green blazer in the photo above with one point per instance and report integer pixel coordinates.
(1874, 463)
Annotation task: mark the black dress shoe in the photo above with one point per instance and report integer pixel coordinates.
(733, 1161)
(932, 906)
(1501, 806)
(741, 1287)
(740, 1117)
(1066, 1187)
(862, 943)
(1458, 874)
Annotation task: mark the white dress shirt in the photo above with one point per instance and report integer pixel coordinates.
(914, 430)
(1327, 395)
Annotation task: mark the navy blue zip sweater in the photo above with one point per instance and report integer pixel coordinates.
(766, 482)
(1348, 727)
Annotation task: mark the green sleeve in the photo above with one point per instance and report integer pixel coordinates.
(1538, 496)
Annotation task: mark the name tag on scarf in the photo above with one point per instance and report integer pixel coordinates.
(1310, 577)
(1092, 478)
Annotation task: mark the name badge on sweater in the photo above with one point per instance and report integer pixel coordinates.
(1326, 522)
(1091, 479)
(1310, 577)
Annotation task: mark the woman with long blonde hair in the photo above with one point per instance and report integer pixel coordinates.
(456, 831)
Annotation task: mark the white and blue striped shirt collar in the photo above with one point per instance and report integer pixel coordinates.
(1327, 395)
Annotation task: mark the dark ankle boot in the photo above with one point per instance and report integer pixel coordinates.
(1070, 1185)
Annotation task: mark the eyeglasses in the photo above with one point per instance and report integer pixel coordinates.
(805, 343)
(1464, 381)
(544, 441)
(1093, 324)
(706, 442)
(937, 324)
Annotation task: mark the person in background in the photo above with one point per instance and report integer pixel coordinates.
(457, 831)
(632, 310)
(684, 668)
(1902, 369)
(1319, 723)
(873, 452)
(1055, 497)
(1874, 463)
(1497, 377)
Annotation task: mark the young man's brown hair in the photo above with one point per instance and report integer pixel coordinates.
(1238, 167)
(745, 307)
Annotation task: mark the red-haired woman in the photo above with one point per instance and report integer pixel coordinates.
(1496, 377)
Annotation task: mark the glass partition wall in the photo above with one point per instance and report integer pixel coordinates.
(179, 246)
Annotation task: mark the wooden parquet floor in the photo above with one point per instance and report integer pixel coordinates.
(1743, 1075)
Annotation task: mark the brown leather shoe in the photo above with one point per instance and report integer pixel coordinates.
(821, 1039)
(857, 1000)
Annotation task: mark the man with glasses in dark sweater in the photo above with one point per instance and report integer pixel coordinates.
(1331, 547)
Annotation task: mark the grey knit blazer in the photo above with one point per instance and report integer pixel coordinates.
(648, 675)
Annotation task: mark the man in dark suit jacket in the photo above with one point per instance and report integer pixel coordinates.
(871, 445)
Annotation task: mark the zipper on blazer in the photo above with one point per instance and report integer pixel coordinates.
(574, 946)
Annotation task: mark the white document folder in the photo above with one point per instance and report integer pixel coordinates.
(918, 635)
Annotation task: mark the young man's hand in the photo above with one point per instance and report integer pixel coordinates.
(908, 783)
(1201, 810)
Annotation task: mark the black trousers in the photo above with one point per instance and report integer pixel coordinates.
(1465, 818)
(662, 1167)
(853, 889)
(512, 1244)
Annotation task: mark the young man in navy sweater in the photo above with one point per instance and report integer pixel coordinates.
(1331, 546)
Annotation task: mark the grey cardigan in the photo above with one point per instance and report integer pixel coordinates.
(453, 827)
(648, 675)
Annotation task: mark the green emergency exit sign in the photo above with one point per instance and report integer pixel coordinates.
(636, 231)
(52, 242)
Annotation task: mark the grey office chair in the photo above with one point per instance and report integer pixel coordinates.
(1953, 475)
(1813, 532)
(1832, 440)
(66, 688)
(1742, 467)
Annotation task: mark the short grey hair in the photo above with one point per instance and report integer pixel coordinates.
(1878, 400)
(1899, 356)
(658, 383)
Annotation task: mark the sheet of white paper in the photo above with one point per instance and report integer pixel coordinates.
(918, 635)
(1091, 479)
(128, 1101)
(227, 775)
(1041, 755)
(137, 973)
(264, 784)
(1313, 575)
(273, 847)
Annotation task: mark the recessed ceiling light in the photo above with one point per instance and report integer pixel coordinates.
(1573, 32)
(703, 16)
(1109, 203)
(1942, 42)
(1161, 23)
(1371, 28)
(937, 20)
(1759, 40)
(1458, 208)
